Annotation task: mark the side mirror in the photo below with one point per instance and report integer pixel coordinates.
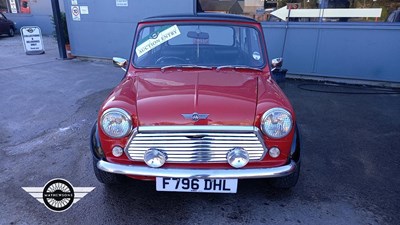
(120, 62)
(276, 63)
(278, 74)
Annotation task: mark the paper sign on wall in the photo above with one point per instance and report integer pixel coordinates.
(121, 3)
(13, 6)
(74, 2)
(76, 14)
(32, 39)
(84, 10)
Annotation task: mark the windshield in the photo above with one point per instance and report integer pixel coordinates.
(198, 45)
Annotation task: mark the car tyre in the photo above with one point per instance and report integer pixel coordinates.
(287, 182)
(107, 178)
(11, 32)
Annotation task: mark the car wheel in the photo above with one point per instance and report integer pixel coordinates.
(287, 181)
(107, 178)
(11, 32)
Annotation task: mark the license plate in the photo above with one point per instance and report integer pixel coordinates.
(196, 185)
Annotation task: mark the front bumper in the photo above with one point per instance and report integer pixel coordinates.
(198, 173)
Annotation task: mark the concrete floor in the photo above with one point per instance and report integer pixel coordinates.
(350, 157)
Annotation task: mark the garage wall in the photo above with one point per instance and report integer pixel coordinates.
(341, 50)
(108, 30)
(365, 51)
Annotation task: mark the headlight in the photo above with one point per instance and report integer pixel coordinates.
(276, 123)
(116, 123)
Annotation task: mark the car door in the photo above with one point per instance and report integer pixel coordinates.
(3, 24)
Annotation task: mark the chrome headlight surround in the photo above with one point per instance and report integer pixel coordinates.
(116, 123)
(276, 123)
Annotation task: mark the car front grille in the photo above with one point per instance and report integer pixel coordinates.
(196, 143)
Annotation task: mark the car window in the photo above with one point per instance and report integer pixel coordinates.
(1, 16)
(198, 44)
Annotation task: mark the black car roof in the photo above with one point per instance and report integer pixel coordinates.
(201, 16)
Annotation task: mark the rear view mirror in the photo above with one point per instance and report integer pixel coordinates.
(198, 35)
(120, 62)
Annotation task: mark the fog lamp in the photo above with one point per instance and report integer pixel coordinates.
(154, 158)
(117, 151)
(274, 152)
(237, 157)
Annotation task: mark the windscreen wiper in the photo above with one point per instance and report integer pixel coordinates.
(238, 67)
(185, 66)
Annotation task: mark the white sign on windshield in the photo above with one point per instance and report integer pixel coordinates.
(32, 39)
(156, 39)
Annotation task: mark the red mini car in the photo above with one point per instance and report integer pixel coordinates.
(197, 109)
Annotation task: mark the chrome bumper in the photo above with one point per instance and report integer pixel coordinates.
(197, 173)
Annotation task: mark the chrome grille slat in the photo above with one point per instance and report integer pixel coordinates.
(141, 149)
(197, 134)
(172, 154)
(198, 159)
(208, 160)
(195, 143)
(199, 145)
(174, 151)
(192, 137)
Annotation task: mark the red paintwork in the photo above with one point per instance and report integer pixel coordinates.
(163, 96)
(231, 97)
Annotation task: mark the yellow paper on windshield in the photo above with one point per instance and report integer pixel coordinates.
(157, 38)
